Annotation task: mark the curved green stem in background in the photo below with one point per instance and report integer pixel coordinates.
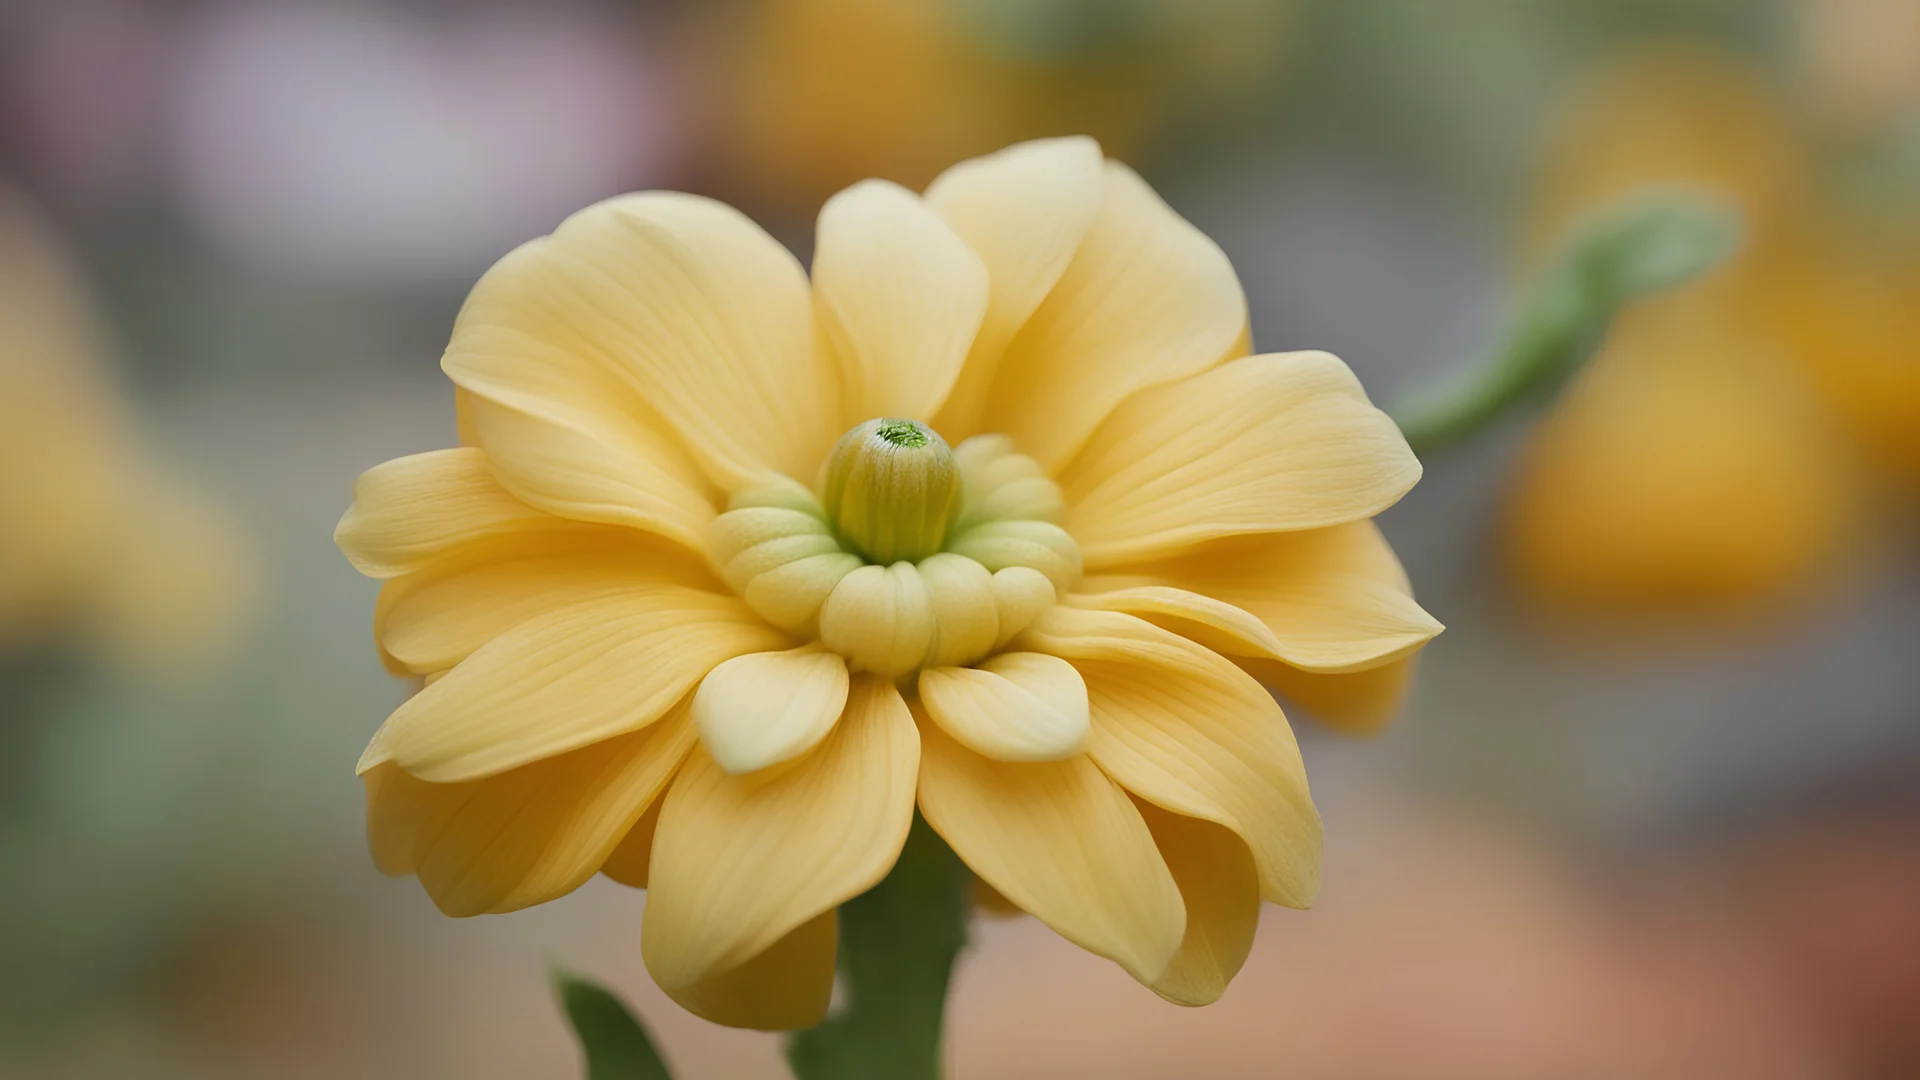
(1646, 242)
(898, 941)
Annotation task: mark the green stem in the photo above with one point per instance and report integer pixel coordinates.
(898, 941)
(1646, 242)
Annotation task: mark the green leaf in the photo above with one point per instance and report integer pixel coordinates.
(898, 941)
(616, 1046)
(1651, 240)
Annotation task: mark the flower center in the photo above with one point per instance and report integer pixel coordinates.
(910, 554)
(890, 489)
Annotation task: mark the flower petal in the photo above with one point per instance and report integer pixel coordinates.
(1061, 841)
(740, 862)
(563, 680)
(412, 510)
(1356, 702)
(630, 859)
(1148, 299)
(1221, 888)
(1333, 599)
(1272, 443)
(528, 835)
(765, 708)
(434, 618)
(899, 298)
(573, 439)
(1013, 707)
(1024, 210)
(1183, 728)
(684, 302)
(786, 987)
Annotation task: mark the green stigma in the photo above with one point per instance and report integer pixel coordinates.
(891, 489)
(905, 433)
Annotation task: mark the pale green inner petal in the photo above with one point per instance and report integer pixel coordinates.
(907, 555)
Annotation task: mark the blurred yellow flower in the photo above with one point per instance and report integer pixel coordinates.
(991, 517)
(1848, 308)
(815, 94)
(1690, 464)
(100, 541)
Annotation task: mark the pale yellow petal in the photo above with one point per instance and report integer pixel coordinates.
(1059, 840)
(435, 617)
(412, 510)
(786, 987)
(1218, 625)
(1183, 728)
(740, 862)
(765, 708)
(898, 297)
(1013, 707)
(565, 679)
(1024, 210)
(464, 431)
(1273, 443)
(528, 835)
(1041, 545)
(1331, 599)
(1147, 299)
(1221, 888)
(880, 618)
(1356, 702)
(966, 618)
(684, 302)
(627, 863)
(571, 438)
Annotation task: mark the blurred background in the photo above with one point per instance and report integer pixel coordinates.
(1651, 812)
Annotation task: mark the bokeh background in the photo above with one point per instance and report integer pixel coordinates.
(1651, 812)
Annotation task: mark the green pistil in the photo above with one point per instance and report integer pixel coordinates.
(890, 490)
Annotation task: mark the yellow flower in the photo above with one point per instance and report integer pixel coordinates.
(100, 543)
(1688, 466)
(1848, 307)
(662, 638)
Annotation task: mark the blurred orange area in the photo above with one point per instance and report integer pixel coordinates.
(813, 95)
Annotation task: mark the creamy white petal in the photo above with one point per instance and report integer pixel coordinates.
(765, 708)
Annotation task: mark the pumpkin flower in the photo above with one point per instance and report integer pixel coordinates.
(992, 518)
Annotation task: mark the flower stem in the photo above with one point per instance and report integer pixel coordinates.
(1644, 243)
(898, 941)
